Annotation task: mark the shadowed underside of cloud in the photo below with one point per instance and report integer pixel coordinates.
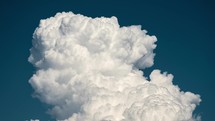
(88, 70)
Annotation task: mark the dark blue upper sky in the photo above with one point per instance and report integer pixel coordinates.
(185, 32)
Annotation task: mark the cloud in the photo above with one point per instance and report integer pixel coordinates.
(88, 69)
(33, 120)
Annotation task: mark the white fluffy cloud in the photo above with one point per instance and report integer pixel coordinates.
(88, 70)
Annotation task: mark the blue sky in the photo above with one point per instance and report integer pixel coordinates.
(185, 46)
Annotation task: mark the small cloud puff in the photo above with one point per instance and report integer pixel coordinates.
(33, 120)
(88, 70)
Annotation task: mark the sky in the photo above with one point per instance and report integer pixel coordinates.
(184, 48)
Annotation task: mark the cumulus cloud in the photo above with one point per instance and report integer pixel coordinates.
(88, 69)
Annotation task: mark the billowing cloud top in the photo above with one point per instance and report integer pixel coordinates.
(88, 70)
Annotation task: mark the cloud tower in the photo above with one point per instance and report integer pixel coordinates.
(92, 69)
